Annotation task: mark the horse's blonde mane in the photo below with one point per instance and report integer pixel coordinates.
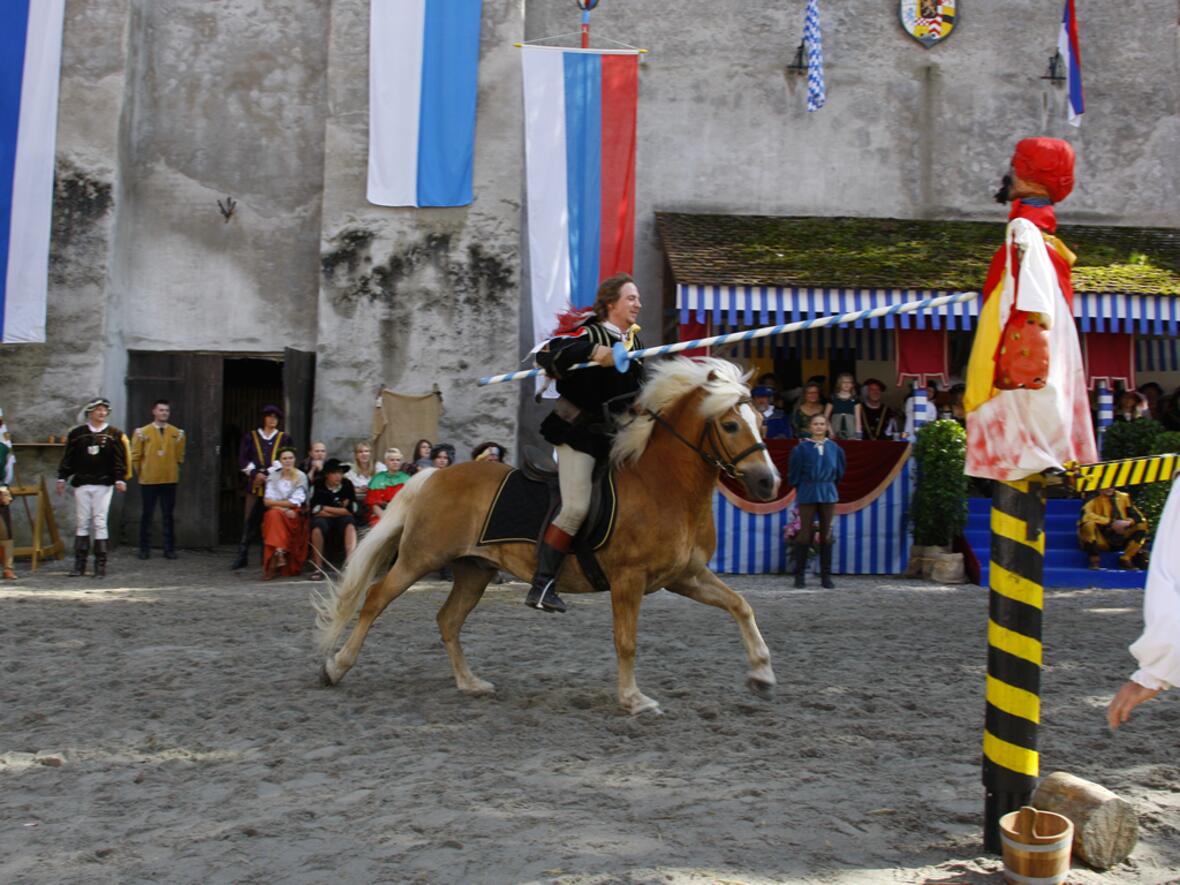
(669, 381)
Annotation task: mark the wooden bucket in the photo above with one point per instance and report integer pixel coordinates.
(1036, 846)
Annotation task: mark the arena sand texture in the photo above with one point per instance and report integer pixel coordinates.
(169, 726)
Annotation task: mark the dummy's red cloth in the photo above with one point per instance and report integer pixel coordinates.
(1048, 162)
(871, 466)
(691, 331)
(921, 356)
(1110, 358)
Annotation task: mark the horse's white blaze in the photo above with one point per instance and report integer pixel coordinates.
(751, 418)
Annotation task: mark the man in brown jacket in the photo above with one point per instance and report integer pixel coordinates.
(157, 451)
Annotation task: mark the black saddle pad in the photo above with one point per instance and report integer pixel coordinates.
(520, 512)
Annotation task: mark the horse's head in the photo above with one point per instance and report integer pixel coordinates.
(723, 428)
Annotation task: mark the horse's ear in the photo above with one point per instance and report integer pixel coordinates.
(712, 376)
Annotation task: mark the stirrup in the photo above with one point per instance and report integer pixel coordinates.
(545, 597)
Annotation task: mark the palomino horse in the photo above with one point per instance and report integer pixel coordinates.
(692, 420)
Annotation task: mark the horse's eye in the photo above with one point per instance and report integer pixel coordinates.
(730, 427)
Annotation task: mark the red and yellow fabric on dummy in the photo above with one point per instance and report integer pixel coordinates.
(1028, 409)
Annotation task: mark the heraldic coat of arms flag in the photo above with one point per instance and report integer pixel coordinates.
(928, 21)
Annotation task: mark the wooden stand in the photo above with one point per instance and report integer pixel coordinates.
(42, 517)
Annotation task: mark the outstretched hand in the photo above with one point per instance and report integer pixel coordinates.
(1130, 696)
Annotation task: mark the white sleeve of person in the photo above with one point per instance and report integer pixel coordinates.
(1158, 649)
(1037, 292)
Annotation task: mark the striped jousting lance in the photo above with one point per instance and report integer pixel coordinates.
(623, 358)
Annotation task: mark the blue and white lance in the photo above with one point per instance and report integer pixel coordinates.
(812, 36)
(623, 358)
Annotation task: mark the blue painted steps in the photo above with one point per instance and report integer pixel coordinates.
(1065, 562)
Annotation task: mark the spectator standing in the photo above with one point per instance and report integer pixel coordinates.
(97, 462)
(157, 451)
(1152, 392)
(929, 411)
(1131, 406)
(877, 421)
(422, 457)
(815, 469)
(811, 403)
(385, 485)
(774, 424)
(7, 471)
(256, 454)
(333, 512)
(313, 464)
(1169, 410)
(360, 476)
(284, 526)
(842, 412)
(442, 455)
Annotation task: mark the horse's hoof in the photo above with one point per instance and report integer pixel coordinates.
(326, 677)
(761, 688)
(644, 706)
(478, 688)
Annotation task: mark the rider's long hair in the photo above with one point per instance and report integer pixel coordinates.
(610, 290)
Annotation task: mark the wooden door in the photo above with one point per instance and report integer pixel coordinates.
(192, 382)
(298, 395)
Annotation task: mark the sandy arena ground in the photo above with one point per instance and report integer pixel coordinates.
(169, 726)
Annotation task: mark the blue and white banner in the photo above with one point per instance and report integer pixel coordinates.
(423, 82)
(30, 69)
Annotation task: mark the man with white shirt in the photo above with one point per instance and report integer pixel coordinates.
(582, 420)
(256, 454)
(1158, 649)
(157, 451)
(97, 463)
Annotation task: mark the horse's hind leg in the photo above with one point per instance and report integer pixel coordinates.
(379, 595)
(706, 587)
(470, 582)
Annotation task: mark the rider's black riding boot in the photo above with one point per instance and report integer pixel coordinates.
(801, 551)
(551, 553)
(825, 566)
(81, 551)
(100, 558)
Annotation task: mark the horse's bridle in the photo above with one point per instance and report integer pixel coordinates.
(727, 464)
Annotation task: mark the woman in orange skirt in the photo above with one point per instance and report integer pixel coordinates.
(284, 525)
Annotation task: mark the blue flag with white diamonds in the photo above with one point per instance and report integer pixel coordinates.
(816, 94)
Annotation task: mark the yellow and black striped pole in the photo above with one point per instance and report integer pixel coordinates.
(1119, 474)
(1015, 605)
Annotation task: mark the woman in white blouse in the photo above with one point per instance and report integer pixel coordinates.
(360, 476)
(284, 526)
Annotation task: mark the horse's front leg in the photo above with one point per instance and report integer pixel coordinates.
(706, 587)
(625, 608)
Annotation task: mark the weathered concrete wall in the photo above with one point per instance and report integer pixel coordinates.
(415, 297)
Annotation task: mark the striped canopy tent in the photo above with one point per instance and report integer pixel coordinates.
(732, 272)
(741, 271)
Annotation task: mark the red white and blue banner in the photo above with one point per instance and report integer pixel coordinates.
(423, 82)
(1067, 45)
(30, 70)
(580, 128)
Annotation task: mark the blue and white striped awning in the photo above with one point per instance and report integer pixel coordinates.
(868, 344)
(752, 306)
(1157, 355)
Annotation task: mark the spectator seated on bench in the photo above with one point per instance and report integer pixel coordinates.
(284, 524)
(333, 514)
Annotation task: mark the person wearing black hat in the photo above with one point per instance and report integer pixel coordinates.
(256, 454)
(774, 422)
(97, 461)
(877, 420)
(333, 513)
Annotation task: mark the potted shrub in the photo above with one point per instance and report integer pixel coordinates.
(939, 506)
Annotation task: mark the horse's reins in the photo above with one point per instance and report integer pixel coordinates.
(728, 467)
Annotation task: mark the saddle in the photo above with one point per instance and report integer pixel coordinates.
(529, 498)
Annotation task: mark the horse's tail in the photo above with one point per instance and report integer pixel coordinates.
(372, 557)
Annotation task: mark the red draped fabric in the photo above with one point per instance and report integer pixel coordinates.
(1110, 358)
(691, 331)
(921, 356)
(871, 466)
(280, 531)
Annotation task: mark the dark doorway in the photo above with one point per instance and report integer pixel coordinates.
(192, 384)
(248, 384)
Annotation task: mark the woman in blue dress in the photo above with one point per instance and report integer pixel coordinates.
(815, 468)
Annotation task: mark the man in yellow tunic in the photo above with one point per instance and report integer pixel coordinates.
(1110, 521)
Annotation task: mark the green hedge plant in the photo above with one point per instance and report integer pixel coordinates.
(939, 507)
